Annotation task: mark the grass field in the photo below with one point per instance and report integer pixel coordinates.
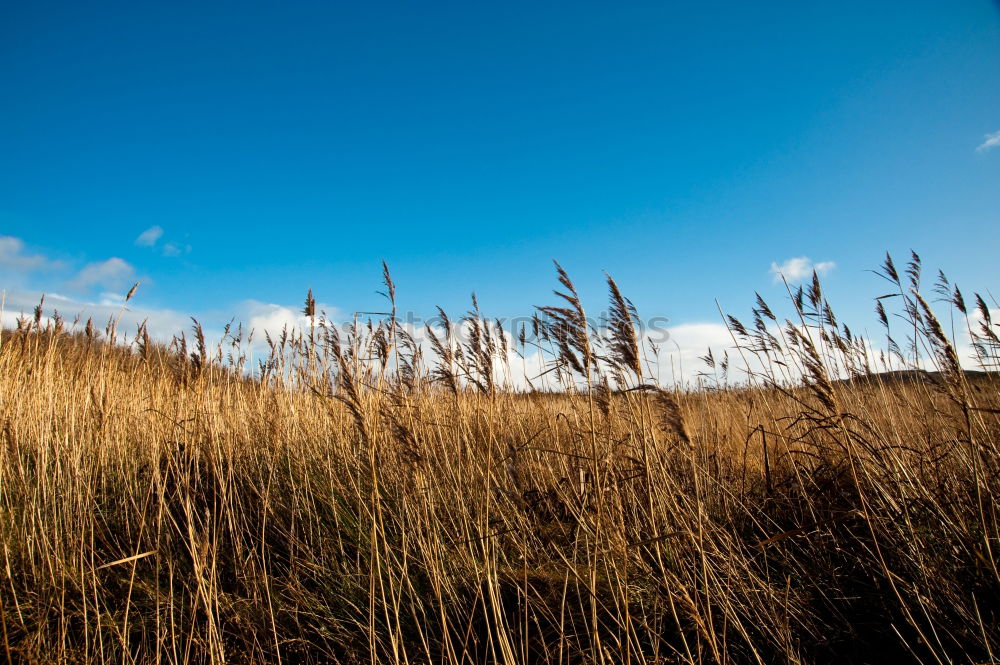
(369, 497)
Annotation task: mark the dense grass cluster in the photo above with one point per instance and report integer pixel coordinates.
(368, 497)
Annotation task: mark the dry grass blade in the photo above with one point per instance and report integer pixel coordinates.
(128, 559)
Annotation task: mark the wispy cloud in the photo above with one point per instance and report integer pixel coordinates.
(153, 236)
(799, 268)
(173, 249)
(149, 237)
(991, 141)
(22, 270)
(12, 257)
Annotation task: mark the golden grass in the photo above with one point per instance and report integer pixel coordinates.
(355, 503)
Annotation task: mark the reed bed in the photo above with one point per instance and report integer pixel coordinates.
(377, 497)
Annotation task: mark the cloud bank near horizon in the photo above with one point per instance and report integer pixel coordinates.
(96, 290)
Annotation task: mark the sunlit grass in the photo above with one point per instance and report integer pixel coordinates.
(364, 498)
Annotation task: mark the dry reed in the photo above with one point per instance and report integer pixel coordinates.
(349, 502)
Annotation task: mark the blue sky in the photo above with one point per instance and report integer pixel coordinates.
(682, 147)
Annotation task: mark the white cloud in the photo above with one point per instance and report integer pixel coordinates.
(110, 275)
(991, 141)
(171, 249)
(679, 358)
(974, 321)
(823, 267)
(12, 257)
(149, 237)
(800, 268)
(269, 318)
